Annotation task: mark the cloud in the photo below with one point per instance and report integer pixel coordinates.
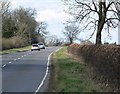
(17, 3)
(52, 14)
(44, 13)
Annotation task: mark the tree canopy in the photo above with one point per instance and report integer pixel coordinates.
(21, 23)
(71, 32)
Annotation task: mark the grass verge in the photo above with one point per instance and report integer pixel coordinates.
(70, 75)
(15, 50)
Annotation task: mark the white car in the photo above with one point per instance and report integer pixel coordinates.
(41, 45)
(35, 47)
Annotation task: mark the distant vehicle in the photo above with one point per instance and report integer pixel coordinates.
(35, 47)
(41, 45)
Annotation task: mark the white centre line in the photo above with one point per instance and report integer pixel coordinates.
(4, 65)
(18, 58)
(15, 59)
(22, 56)
(10, 62)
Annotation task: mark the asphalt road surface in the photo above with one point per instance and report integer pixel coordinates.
(25, 71)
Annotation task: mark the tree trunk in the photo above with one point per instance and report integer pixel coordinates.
(99, 31)
(98, 37)
(71, 40)
(101, 22)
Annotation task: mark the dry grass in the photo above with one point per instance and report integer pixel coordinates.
(104, 59)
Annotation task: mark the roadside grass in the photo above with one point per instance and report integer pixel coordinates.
(70, 75)
(15, 50)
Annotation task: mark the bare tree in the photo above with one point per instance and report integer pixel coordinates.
(25, 23)
(42, 27)
(52, 39)
(94, 14)
(71, 32)
(117, 6)
(8, 26)
(42, 31)
(5, 5)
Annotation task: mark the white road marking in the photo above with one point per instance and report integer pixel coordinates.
(10, 62)
(24, 55)
(4, 65)
(58, 49)
(15, 59)
(18, 58)
(42, 82)
(45, 74)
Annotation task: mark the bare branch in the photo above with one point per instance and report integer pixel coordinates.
(95, 6)
(88, 6)
(109, 19)
(109, 5)
(94, 15)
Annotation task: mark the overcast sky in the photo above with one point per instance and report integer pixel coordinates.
(52, 12)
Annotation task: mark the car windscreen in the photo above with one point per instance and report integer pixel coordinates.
(40, 44)
(35, 45)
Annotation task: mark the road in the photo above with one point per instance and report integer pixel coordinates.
(25, 71)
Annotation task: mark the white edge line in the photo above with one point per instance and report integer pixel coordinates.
(42, 82)
(58, 49)
(45, 75)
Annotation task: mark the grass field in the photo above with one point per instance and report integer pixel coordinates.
(15, 50)
(71, 75)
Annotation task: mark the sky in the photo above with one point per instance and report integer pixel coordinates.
(52, 12)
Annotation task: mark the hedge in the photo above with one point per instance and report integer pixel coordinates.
(104, 59)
